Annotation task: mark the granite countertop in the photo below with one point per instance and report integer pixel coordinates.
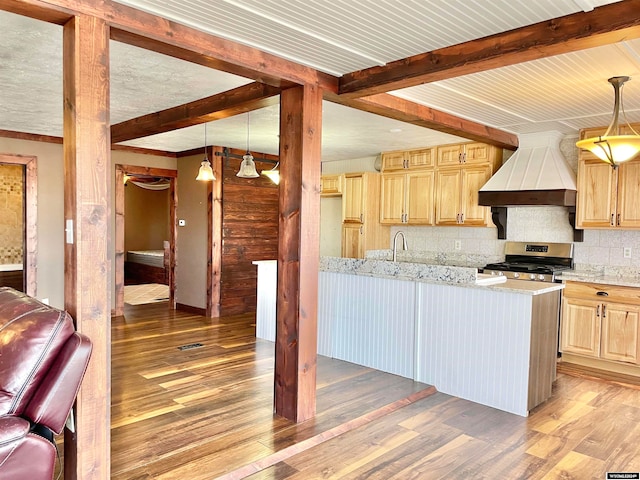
(588, 276)
(437, 274)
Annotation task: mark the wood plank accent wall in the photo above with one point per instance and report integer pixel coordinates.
(249, 232)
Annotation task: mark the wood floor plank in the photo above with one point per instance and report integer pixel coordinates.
(207, 412)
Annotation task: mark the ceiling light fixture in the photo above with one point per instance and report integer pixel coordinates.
(273, 174)
(247, 167)
(612, 147)
(205, 173)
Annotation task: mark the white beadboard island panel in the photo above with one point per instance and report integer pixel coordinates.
(371, 321)
(266, 299)
(475, 344)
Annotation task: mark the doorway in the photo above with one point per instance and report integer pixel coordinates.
(18, 254)
(156, 265)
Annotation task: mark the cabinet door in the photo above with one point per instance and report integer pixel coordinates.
(392, 198)
(596, 194)
(420, 158)
(475, 153)
(352, 240)
(473, 178)
(629, 195)
(419, 198)
(330, 185)
(581, 327)
(448, 182)
(620, 332)
(393, 161)
(449, 155)
(353, 199)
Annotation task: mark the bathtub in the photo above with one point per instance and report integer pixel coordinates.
(11, 276)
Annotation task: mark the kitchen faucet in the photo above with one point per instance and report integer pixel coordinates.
(395, 247)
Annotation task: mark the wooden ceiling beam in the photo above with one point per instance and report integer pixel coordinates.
(406, 111)
(145, 30)
(222, 105)
(602, 26)
(38, 10)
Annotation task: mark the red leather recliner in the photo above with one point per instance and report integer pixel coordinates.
(42, 362)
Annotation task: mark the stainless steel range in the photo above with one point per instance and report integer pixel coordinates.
(541, 262)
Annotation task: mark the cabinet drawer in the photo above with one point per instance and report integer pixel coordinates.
(602, 293)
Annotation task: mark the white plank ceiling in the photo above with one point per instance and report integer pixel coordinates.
(563, 93)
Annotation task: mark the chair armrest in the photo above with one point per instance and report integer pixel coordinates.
(24, 454)
(52, 402)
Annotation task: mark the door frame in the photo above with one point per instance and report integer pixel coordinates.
(120, 172)
(30, 218)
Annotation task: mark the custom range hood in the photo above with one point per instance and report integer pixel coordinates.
(536, 174)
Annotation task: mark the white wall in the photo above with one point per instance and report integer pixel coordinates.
(50, 258)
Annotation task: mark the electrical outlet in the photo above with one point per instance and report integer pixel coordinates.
(457, 245)
(627, 252)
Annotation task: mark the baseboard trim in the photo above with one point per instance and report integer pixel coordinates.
(189, 309)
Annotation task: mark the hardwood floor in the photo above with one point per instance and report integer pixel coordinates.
(206, 413)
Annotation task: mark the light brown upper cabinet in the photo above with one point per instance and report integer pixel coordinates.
(361, 228)
(407, 190)
(607, 197)
(331, 185)
(461, 171)
(465, 153)
(408, 159)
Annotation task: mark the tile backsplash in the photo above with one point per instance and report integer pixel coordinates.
(11, 219)
(602, 250)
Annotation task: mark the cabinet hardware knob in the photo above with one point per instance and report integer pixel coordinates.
(360, 229)
(618, 219)
(603, 294)
(612, 219)
(598, 311)
(604, 311)
(361, 219)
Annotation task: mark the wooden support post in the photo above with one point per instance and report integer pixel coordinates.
(87, 195)
(298, 252)
(214, 232)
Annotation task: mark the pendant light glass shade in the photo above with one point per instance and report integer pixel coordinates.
(273, 174)
(612, 147)
(205, 173)
(247, 167)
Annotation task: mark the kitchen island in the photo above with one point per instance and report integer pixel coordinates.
(491, 344)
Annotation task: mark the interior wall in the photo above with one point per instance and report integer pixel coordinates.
(191, 244)
(249, 233)
(146, 218)
(50, 258)
(331, 207)
(12, 218)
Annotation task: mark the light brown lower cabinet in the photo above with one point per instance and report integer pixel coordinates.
(600, 325)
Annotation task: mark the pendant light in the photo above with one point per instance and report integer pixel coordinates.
(273, 174)
(205, 173)
(248, 166)
(612, 147)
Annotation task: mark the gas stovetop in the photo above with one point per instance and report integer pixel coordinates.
(533, 261)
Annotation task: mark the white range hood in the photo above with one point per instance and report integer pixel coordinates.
(536, 174)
